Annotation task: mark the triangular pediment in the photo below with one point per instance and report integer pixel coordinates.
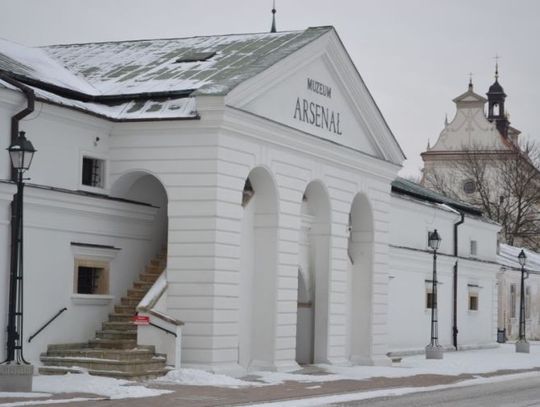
(317, 90)
(470, 96)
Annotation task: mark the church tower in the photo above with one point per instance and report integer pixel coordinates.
(496, 98)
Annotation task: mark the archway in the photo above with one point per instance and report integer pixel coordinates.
(360, 257)
(313, 265)
(142, 187)
(258, 270)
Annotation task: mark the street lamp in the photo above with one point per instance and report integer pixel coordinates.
(522, 346)
(433, 349)
(21, 153)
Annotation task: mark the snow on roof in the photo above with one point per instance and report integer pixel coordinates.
(211, 65)
(34, 63)
(155, 65)
(508, 256)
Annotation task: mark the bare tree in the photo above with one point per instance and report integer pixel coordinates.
(505, 184)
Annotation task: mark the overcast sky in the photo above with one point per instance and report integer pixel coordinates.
(414, 55)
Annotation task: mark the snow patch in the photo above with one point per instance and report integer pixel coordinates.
(85, 383)
(195, 377)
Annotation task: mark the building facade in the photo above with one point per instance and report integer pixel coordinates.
(259, 166)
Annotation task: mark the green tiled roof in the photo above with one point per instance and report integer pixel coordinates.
(406, 187)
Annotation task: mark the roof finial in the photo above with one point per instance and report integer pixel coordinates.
(428, 146)
(497, 57)
(446, 119)
(470, 81)
(273, 29)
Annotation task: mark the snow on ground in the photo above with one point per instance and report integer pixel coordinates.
(348, 397)
(194, 377)
(454, 363)
(85, 383)
(22, 395)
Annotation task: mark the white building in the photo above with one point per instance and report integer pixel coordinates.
(261, 163)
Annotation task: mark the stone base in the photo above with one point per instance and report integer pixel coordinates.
(16, 378)
(434, 352)
(522, 347)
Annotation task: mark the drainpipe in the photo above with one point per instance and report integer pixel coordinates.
(455, 287)
(15, 119)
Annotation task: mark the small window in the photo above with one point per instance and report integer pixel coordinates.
(91, 277)
(429, 298)
(93, 172)
(513, 302)
(473, 301)
(474, 247)
(469, 186)
(527, 302)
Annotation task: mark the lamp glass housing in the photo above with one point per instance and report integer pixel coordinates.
(434, 240)
(522, 258)
(21, 153)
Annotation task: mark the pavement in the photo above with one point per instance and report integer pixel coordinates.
(209, 396)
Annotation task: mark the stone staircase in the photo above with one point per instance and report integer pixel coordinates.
(114, 351)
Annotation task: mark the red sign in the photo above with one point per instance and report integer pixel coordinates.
(141, 320)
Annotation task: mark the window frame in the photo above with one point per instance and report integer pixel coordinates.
(103, 186)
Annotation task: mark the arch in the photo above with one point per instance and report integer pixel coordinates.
(258, 265)
(144, 187)
(360, 253)
(313, 275)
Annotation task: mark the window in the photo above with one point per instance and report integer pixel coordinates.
(474, 247)
(91, 277)
(469, 186)
(473, 301)
(513, 301)
(93, 172)
(528, 303)
(429, 297)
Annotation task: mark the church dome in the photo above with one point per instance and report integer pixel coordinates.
(496, 87)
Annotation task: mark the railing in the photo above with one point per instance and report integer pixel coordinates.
(46, 324)
(163, 329)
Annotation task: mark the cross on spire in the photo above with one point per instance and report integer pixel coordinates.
(470, 80)
(273, 29)
(496, 58)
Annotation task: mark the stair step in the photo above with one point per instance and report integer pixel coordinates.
(128, 366)
(110, 334)
(142, 285)
(124, 309)
(149, 277)
(116, 354)
(113, 343)
(135, 293)
(130, 301)
(115, 317)
(154, 269)
(147, 374)
(119, 326)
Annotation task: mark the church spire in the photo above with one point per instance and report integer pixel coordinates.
(470, 81)
(496, 99)
(273, 29)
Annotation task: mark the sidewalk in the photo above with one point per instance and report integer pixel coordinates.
(192, 388)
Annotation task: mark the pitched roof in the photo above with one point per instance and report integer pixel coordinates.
(95, 76)
(406, 187)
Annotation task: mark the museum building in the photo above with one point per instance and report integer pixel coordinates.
(241, 192)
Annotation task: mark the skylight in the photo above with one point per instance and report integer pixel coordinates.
(195, 57)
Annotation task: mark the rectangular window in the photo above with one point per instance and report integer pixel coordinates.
(527, 302)
(474, 247)
(93, 172)
(91, 277)
(429, 299)
(513, 302)
(473, 301)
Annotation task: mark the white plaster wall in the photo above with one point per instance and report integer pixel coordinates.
(411, 264)
(60, 136)
(52, 221)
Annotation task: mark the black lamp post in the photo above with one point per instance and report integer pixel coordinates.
(434, 350)
(522, 345)
(21, 153)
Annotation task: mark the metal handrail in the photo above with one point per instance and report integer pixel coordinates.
(46, 324)
(163, 329)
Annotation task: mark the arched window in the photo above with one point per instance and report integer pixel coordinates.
(496, 109)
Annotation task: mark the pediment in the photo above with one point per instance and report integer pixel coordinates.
(317, 90)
